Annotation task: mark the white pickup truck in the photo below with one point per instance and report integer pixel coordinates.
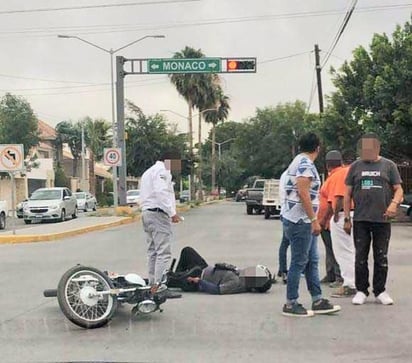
(270, 200)
(3, 214)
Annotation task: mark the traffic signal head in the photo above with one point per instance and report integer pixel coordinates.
(239, 65)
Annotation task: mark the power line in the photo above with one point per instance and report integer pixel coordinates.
(140, 81)
(340, 32)
(116, 28)
(154, 82)
(38, 10)
(44, 79)
(312, 92)
(281, 58)
(89, 84)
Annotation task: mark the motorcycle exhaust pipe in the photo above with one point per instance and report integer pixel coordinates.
(50, 293)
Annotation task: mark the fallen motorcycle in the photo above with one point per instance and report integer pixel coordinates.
(89, 297)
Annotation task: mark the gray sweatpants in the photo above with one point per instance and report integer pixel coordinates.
(158, 228)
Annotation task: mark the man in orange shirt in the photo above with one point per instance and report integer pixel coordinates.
(343, 245)
(333, 274)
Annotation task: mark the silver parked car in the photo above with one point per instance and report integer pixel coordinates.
(50, 204)
(85, 201)
(133, 197)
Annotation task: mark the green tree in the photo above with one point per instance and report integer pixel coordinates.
(374, 94)
(268, 141)
(188, 85)
(96, 139)
(60, 178)
(70, 133)
(148, 137)
(18, 124)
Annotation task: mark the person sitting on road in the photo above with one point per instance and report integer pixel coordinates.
(193, 273)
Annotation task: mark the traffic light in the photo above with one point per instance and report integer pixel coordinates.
(239, 65)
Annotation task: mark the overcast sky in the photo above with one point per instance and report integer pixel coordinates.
(65, 79)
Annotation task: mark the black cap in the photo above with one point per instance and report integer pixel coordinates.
(334, 155)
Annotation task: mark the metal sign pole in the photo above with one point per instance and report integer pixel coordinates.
(13, 201)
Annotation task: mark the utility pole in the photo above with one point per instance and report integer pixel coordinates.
(121, 142)
(83, 186)
(318, 78)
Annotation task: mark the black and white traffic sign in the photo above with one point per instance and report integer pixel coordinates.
(11, 157)
(112, 156)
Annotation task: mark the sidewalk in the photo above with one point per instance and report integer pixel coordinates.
(51, 231)
(42, 232)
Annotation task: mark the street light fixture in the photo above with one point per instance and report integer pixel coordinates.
(186, 117)
(111, 52)
(219, 144)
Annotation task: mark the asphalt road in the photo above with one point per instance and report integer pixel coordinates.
(197, 328)
(18, 223)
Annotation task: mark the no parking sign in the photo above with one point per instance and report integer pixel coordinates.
(11, 157)
(112, 156)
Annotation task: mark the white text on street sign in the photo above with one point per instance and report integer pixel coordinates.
(184, 65)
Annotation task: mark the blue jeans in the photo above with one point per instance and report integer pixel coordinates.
(304, 259)
(283, 250)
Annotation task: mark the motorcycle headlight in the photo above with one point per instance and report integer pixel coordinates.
(147, 306)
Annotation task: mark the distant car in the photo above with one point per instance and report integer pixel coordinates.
(50, 204)
(184, 196)
(19, 208)
(133, 197)
(85, 201)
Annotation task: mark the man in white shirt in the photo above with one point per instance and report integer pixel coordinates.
(158, 203)
(284, 244)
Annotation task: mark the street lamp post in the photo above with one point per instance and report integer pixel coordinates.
(219, 144)
(111, 52)
(83, 180)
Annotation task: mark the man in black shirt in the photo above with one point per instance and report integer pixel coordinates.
(374, 184)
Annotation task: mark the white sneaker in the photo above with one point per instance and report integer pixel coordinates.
(359, 298)
(384, 298)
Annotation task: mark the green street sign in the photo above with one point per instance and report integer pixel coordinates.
(184, 65)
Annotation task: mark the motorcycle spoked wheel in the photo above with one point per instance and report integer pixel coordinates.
(79, 299)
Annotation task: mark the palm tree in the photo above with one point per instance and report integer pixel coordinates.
(205, 98)
(188, 86)
(97, 138)
(214, 117)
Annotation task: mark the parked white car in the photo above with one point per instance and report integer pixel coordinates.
(133, 197)
(50, 204)
(85, 201)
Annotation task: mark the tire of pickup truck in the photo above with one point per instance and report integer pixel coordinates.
(267, 213)
(2, 221)
(249, 209)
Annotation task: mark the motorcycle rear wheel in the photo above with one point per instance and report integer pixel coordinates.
(78, 294)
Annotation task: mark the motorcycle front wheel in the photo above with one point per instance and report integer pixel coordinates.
(83, 297)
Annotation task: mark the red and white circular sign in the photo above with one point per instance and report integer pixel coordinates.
(112, 156)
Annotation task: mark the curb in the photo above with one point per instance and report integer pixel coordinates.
(14, 239)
